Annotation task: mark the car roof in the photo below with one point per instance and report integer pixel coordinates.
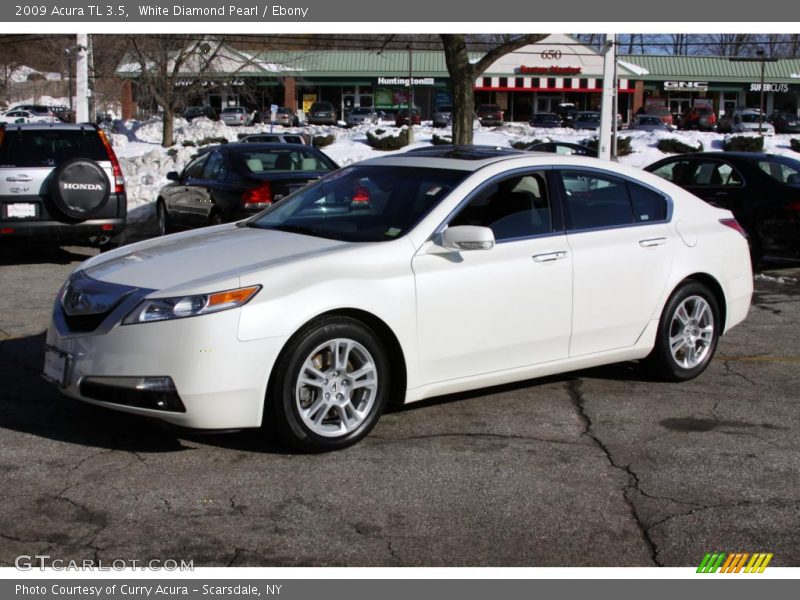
(740, 157)
(59, 126)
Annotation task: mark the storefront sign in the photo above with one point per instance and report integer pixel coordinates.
(769, 87)
(526, 70)
(689, 86)
(406, 81)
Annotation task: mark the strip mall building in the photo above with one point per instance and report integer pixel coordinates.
(533, 79)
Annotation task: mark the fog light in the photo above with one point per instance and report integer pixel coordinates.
(154, 393)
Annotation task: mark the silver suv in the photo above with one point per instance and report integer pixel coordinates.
(60, 182)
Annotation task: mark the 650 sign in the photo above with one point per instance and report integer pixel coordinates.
(551, 54)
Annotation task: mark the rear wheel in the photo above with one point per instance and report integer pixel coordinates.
(215, 218)
(331, 385)
(687, 333)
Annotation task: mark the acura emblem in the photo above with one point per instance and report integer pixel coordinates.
(77, 300)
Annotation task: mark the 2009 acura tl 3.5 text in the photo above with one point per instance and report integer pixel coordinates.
(397, 279)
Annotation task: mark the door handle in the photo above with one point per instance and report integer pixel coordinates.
(650, 242)
(550, 256)
(720, 193)
(20, 178)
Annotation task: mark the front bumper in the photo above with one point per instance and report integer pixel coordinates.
(220, 380)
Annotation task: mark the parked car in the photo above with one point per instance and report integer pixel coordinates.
(59, 183)
(701, 118)
(648, 123)
(443, 115)
(587, 120)
(360, 116)
(235, 115)
(749, 121)
(662, 112)
(322, 113)
(40, 110)
(567, 111)
(490, 115)
(274, 138)
(314, 314)
(784, 122)
(234, 181)
(200, 111)
(24, 116)
(761, 190)
(286, 117)
(402, 118)
(563, 148)
(545, 120)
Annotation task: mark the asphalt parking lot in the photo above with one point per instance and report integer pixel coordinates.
(598, 468)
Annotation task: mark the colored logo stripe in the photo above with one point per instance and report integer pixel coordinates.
(733, 563)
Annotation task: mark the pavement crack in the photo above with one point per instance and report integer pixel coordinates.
(576, 395)
(729, 369)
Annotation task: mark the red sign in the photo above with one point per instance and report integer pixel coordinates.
(525, 70)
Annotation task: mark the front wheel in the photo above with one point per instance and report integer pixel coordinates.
(687, 333)
(331, 385)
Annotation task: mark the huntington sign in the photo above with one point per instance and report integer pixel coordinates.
(406, 81)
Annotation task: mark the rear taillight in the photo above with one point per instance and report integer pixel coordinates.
(734, 224)
(258, 197)
(119, 180)
(361, 195)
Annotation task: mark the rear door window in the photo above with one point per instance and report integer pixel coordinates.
(595, 200)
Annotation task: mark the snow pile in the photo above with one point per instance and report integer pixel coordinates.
(145, 163)
(781, 280)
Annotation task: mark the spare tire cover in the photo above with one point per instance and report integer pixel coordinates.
(79, 188)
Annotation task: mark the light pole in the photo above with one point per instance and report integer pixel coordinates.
(761, 58)
(410, 98)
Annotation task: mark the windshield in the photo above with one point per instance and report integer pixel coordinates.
(782, 169)
(361, 111)
(649, 121)
(589, 117)
(445, 109)
(321, 106)
(235, 110)
(752, 118)
(362, 203)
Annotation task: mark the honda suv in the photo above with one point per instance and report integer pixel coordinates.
(60, 182)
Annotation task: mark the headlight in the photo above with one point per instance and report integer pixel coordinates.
(179, 307)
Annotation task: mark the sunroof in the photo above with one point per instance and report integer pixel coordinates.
(462, 152)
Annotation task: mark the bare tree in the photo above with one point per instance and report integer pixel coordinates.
(172, 69)
(463, 74)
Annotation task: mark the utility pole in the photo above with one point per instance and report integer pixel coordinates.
(82, 79)
(410, 98)
(763, 59)
(607, 103)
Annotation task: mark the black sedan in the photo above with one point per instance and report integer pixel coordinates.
(233, 181)
(546, 120)
(762, 191)
(563, 148)
(785, 122)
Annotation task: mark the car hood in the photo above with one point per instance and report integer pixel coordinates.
(205, 256)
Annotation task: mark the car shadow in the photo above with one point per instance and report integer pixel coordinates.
(30, 405)
(30, 253)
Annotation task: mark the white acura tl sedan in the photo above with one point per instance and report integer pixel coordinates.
(397, 279)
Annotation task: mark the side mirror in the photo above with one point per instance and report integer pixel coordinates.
(467, 237)
(173, 176)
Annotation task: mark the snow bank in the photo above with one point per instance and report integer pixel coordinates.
(145, 164)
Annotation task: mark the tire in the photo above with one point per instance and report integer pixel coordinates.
(688, 333)
(215, 218)
(162, 218)
(315, 404)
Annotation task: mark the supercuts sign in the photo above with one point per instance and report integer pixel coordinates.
(689, 86)
(526, 70)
